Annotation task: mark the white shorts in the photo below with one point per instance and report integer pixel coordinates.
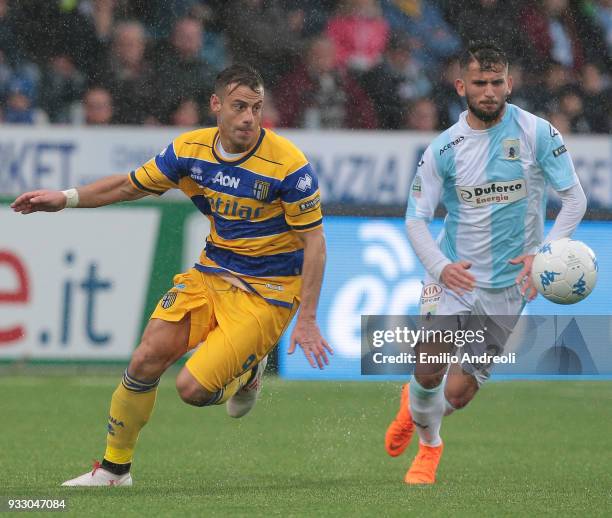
(494, 310)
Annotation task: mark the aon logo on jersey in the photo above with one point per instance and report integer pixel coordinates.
(490, 193)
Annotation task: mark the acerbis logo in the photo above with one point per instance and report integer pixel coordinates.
(455, 142)
(494, 192)
(226, 180)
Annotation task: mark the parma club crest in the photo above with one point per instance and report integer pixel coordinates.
(261, 190)
(168, 299)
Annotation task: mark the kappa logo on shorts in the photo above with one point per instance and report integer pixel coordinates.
(168, 299)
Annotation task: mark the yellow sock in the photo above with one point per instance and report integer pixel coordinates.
(131, 407)
(232, 387)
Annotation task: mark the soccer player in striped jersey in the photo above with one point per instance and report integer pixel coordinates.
(490, 170)
(263, 259)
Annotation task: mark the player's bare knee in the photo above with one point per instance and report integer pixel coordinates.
(459, 402)
(190, 391)
(459, 396)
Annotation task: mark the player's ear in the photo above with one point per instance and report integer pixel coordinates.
(215, 103)
(509, 86)
(460, 87)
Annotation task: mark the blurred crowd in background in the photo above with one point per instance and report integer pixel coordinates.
(385, 64)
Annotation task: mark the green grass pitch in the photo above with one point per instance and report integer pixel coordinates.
(314, 449)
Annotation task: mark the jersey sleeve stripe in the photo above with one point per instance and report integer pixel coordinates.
(153, 180)
(141, 187)
(309, 226)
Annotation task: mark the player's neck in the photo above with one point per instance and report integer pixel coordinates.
(229, 147)
(478, 124)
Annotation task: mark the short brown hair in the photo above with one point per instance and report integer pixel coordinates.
(239, 74)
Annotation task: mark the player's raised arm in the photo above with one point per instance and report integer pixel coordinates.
(105, 191)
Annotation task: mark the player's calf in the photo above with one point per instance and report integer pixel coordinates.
(460, 388)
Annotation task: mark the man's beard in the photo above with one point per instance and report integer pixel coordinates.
(483, 115)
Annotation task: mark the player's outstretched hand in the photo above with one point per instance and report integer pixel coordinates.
(34, 201)
(307, 335)
(456, 277)
(523, 279)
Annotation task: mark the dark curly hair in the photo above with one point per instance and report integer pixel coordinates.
(486, 53)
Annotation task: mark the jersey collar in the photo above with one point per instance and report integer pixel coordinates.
(243, 158)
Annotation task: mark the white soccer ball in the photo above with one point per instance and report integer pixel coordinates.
(564, 271)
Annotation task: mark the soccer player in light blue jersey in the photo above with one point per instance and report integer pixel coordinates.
(491, 171)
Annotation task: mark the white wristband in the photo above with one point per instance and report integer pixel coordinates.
(72, 198)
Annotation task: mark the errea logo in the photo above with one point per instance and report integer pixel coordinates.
(226, 180)
(304, 183)
(490, 193)
(196, 173)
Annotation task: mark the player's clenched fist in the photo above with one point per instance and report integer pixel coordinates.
(46, 201)
(456, 277)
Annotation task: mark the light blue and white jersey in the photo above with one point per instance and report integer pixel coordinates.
(493, 184)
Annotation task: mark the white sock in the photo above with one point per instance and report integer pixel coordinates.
(427, 408)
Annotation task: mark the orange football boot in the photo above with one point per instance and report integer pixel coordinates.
(401, 428)
(424, 466)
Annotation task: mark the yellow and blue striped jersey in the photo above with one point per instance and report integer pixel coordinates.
(256, 204)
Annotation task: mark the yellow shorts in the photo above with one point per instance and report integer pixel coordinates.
(235, 329)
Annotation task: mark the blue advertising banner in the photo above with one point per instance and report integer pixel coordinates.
(372, 270)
